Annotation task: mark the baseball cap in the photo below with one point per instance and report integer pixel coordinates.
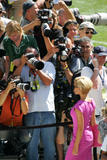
(88, 25)
(26, 6)
(100, 50)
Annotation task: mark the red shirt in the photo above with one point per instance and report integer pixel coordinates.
(11, 117)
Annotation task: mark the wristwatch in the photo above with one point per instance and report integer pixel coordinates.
(23, 99)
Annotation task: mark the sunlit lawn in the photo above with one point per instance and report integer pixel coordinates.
(88, 7)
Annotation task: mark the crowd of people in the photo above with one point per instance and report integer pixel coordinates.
(51, 72)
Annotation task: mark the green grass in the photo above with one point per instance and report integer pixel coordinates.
(88, 7)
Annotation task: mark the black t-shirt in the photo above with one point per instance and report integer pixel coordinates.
(40, 40)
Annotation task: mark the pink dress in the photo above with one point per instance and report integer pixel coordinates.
(86, 142)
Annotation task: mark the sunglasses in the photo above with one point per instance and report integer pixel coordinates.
(89, 32)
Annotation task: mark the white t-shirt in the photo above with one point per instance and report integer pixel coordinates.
(41, 100)
(96, 94)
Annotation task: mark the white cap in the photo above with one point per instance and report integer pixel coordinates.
(88, 25)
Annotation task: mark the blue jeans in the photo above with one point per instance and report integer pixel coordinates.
(47, 135)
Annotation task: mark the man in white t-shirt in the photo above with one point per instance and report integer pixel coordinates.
(41, 108)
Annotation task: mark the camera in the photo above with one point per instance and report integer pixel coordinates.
(23, 86)
(96, 19)
(76, 50)
(63, 98)
(44, 14)
(37, 64)
(19, 84)
(46, 29)
(29, 55)
(68, 2)
(63, 51)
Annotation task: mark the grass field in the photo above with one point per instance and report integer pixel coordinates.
(88, 7)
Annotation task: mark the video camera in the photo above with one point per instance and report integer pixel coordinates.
(63, 51)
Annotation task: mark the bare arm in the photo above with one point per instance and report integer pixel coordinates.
(95, 72)
(80, 122)
(4, 93)
(22, 62)
(67, 71)
(7, 67)
(31, 25)
(44, 77)
(62, 4)
(93, 120)
(24, 103)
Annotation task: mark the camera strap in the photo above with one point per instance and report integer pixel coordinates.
(12, 108)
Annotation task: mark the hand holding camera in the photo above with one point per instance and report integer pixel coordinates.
(11, 85)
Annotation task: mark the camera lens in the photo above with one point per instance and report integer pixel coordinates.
(37, 64)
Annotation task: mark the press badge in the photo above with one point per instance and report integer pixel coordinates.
(37, 83)
(34, 85)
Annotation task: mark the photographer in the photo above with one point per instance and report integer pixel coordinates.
(87, 29)
(7, 116)
(13, 105)
(41, 106)
(47, 46)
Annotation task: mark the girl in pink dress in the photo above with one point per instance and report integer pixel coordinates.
(83, 115)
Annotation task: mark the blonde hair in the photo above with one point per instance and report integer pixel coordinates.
(2, 27)
(104, 111)
(13, 27)
(84, 83)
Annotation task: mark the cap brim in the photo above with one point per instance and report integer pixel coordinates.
(102, 54)
(94, 31)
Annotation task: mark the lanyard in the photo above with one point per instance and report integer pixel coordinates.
(102, 78)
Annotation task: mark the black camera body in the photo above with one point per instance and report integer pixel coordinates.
(46, 29)
(77, 48)
(63, 51)
(44, 14)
